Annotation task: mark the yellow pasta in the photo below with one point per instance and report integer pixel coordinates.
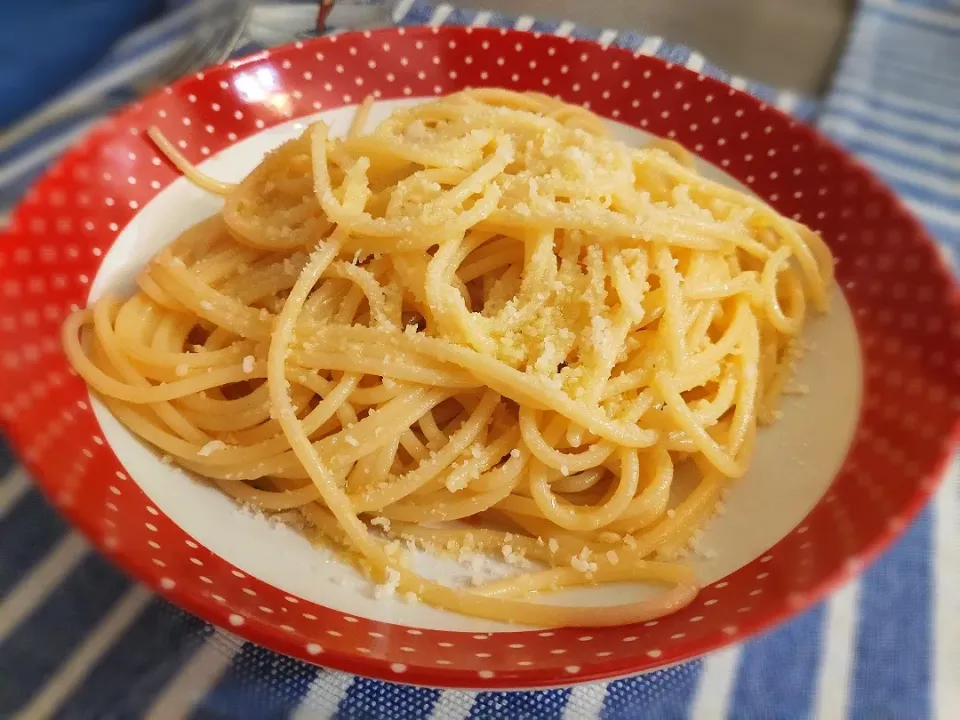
(482, 328)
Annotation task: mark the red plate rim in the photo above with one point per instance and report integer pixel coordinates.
(44, 469)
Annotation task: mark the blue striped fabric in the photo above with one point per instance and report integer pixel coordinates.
(885, 646)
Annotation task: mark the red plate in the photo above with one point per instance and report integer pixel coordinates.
(902, 302)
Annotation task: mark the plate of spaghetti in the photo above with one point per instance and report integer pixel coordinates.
(476, 358)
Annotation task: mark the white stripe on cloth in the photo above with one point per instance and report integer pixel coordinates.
(939, 215)
(946, 635)
(917, 12)
(786, 101)
(607, 37)
(401, 9)
(87, 94)
(949, 188)
(524, 22)
(76, 668)
(481, 18)
(650, 45)
(901, 100)
(195, 678)
(323, 696)
(38, 156)
(454, 705)
(440, 14)
(836, 662)
(712, 698)
(908, 148)
(13, 487)
(927, 129)
(174, 21)
(695, 61)
(41, 581)
(585, 702)
(894, 73)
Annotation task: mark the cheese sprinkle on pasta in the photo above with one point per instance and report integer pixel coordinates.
(483, 328)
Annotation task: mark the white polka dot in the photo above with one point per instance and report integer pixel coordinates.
(205, 579)
(654, 653)
(314, 649)
(309, 616)
(334, 633)
(696, 618)
(237, 573)
(151, 527)
(167, 583)
(572, 669)
(485, 674)
(264, 608)
(250, 591)
(558, 651)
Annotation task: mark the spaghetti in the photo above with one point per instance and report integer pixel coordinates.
(481, 328)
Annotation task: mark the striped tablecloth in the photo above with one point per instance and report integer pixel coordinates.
(78, 640)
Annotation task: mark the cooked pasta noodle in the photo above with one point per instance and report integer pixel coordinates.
(482, 327)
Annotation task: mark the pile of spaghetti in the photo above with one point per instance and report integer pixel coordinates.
(481, 328)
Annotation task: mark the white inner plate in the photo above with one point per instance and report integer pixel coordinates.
(795, 461)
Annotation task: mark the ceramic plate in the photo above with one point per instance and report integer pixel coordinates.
(832, 483)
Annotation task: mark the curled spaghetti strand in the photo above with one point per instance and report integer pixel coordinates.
(480, 328)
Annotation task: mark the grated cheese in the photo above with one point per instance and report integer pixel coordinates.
(389, 588)
(211, 447)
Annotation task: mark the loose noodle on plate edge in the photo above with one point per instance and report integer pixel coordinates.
(483, 310)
